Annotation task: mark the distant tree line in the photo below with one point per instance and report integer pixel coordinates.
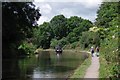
(63, 31)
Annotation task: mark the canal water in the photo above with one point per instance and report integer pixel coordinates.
(46, 64)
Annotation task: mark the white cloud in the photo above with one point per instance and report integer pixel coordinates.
(66, 12)
(76, 1)
(91, 3)
(90, 17)
(82, 9)
(39, 0)
(68, 1)
(43, 19)
(46, 8)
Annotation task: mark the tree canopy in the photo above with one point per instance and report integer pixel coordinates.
(108, 12)
(108, 20)
(61, 30)
(18, 19)
(58, 25)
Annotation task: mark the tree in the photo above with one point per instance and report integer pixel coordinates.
(72, 37)
(106, 13)
(108, 19)
(18, 19)
(89, 38)
(60, 30)
(77, 25)
(58, 25)
(73, 22)
(43, 35)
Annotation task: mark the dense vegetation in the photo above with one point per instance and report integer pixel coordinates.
(108, 21)
(18, 20)
(76, 32)
(21, 32)
(65, 32)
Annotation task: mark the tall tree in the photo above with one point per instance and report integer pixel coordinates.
(106, 13)
(58, 24)
(18, 19)
(43, 35)
(73, 22)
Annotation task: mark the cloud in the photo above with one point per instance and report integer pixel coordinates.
(43, 19)
(66, 12)
(86, 10)
(45, 8)
(67, 0)
(91, 3)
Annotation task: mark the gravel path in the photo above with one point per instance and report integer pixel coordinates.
(93, 69)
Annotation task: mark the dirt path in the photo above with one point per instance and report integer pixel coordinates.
(93, 70)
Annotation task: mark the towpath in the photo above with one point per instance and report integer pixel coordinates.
(93, 69)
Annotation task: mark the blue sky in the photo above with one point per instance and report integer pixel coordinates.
(49, 8)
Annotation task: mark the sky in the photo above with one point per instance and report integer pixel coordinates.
(82, 8)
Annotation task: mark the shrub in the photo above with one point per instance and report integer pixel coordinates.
(26, 48)
(54, 42)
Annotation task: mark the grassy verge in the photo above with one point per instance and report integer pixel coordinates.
(81, 70)
(107, 69)
(103, 68)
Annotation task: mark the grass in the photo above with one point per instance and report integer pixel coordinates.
(103, 68)
(106, 69)
(81, 70)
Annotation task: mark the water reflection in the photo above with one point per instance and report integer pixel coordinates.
(10, 69)
(43, 65)
(44, 58)
(51, 65)
(58, 56)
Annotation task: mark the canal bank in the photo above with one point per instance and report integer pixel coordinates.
(71, 50)
(81, 70)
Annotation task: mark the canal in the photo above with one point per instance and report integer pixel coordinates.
(46, 64)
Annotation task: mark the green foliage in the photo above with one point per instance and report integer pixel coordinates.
(109, 51)
(78, 25)
(89, 39)
(80, 71)
(58, 25)
(108, 18)
(74, 45)
(107, 12)
(72, 37)
(54, 42)
(62, 42)
(60, 30)
(26, 48)
(73, 22)
(43, 35)
(18, 20)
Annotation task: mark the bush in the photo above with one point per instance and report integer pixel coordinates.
(109, 52)
(54, 42)
(63, 41)
(74, 45)
(89, 38)
(26, 48)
